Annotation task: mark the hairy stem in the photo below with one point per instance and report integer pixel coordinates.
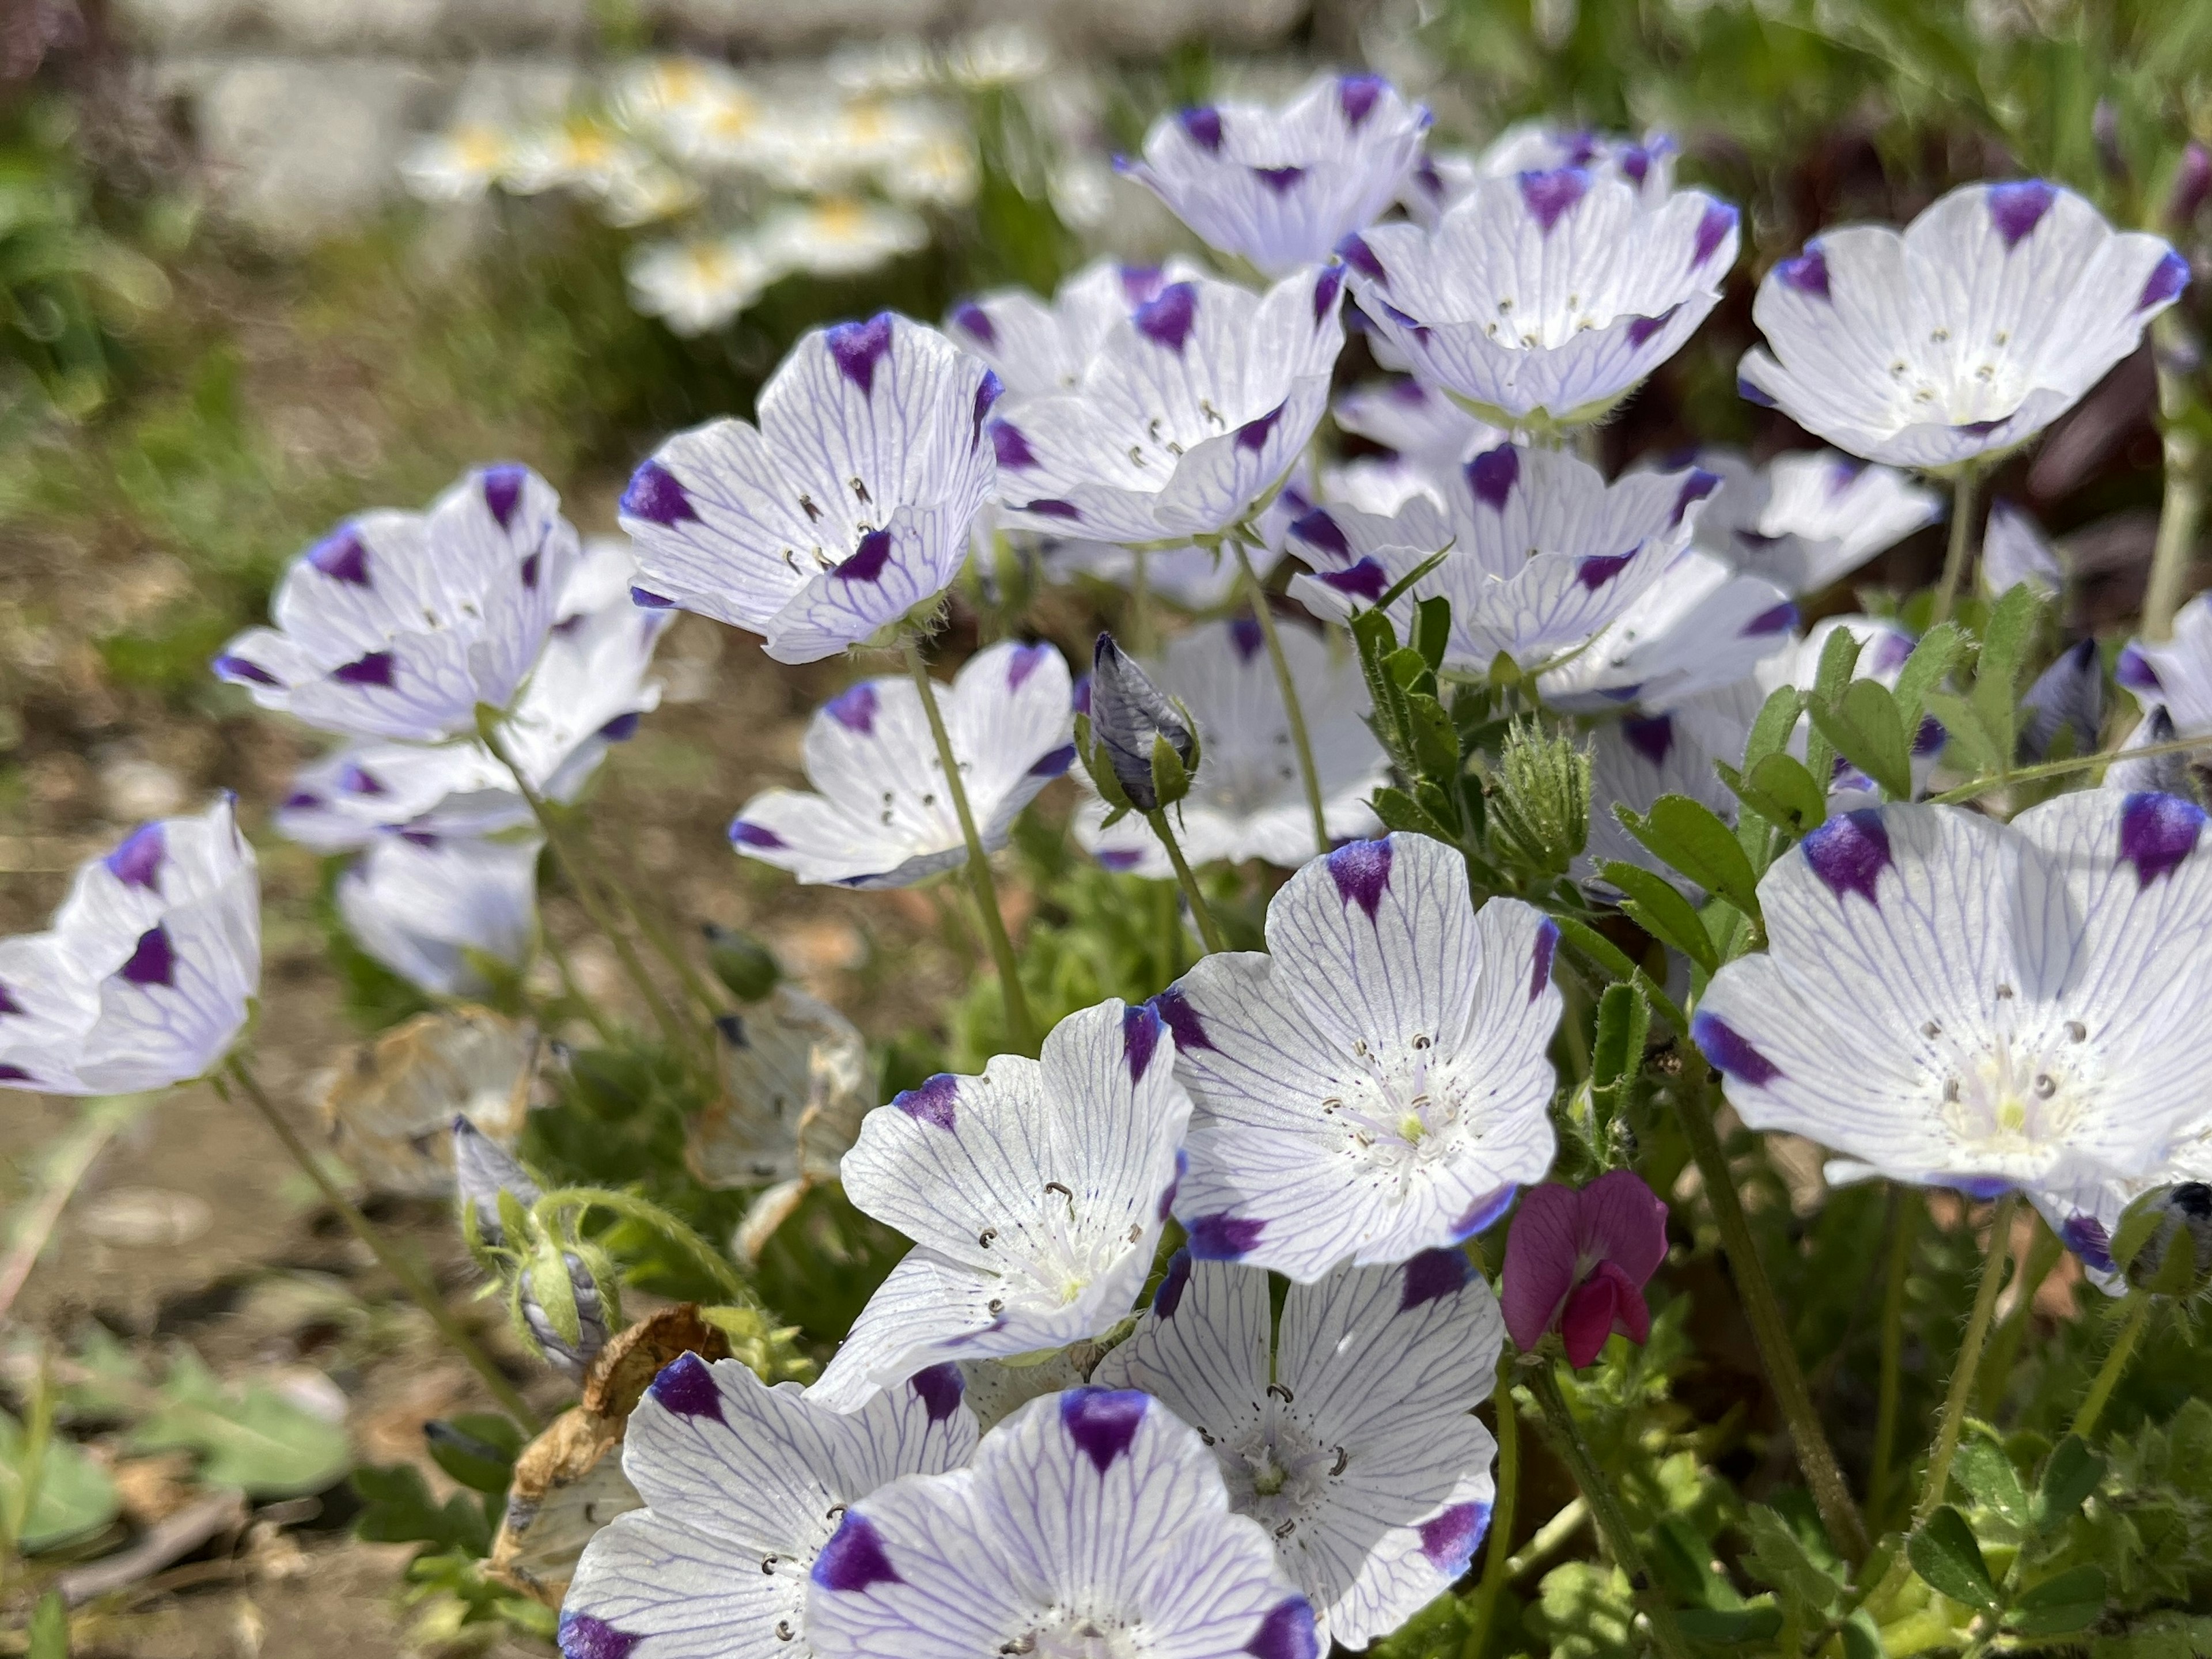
(1960, 552)
(1207, 929)
(1907, 1211)
(1497, 1566)
(669, 1225)
(569, 982)
(2042, 1254)
(2116, 1361)
(1021, 1029)
(1292, 711)
(2182, 505)
(420, 1289)
(1954, 1420)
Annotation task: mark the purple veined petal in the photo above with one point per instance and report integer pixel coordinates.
(646, 600)
(1807, 273)
(1140, 1038)
(1752, 394)
(1652, 737)
(2016, 208)
(1549, 196)
(1718, 225)
(1355, 252)
(654, 495)
(503, 485)
(231, 667)
(686, 1387)
(1356, 95)
(854, 1559)
(754, 834)
(1279, 180)
(1011, 448)
(934, 1101)
(583, 1636)
(1104, 1422)
(153, 961)
(859, 347)
(1596, 573)
(1254, 434)
(1316, 529)
(1729, 1053)
(2166, 280)
(854, 708)
(1180, 1018)
(1204, 125)
(1168, 319)
(1492, 475)
(1361, 870)
(2085, 1236)
(1849, 853)
(1365, 580)
(1641, 329)
(375, 668)
(342, 557)
(973, 319)
(1051, 508)
(1222, 1237)
(2157, 833)
(138, 862)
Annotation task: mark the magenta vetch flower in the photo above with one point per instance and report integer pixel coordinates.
(1576, 1262)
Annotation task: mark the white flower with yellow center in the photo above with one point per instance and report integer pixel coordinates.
(697, 286)
(839, 235)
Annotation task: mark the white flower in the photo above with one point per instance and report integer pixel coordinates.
(581, 152)
(697, 285)
(1544, 299)
(2175, 675)
(883, 817)
(144, 978)
(1442, 182)
(838, 236)
(1350, 1437)
(2169, 773)
(1949, 1000)
(1281, 187)
(1965, 335)
(424, 906)
(938, 169)
(1808, 519)
(1034, 1194)
(1542, 554)
(457, 166)
(1035, 347)
(809, 150)
(400, 625)
(1090, 1522)
(1638, 759)
(1000, 54)
(1418, 422)
(744, 1485)
(1375, 1085)
(1698, 628)
(846, 508)
(1191, 413)
(1248, 799)
(2014, 549)
(666, 99)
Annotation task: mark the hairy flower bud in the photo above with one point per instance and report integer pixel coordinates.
(1540, 800)
(1147, 743)
(2171, 1232)
(556, 1295)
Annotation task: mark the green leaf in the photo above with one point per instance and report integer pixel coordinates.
(477, 1449)
(1432, 629)
(1770, 732)
(1663, 912)
(1780, 790)
(1778, 1558)
(75, 1498)
(250, 1438)
(2160, 1636)
(2072, 1600)
(1400, 811)
(1690, 838)
(1937, 654)
(1409, 668)
(1839, 658)
(1624, 1023)
(1861, 1637)
(1584, 1611)
(1944, 1552)
(2069, 1478)
(1864, 727)
(2005, 640)
(1438, 1631)
(397, 1509)
(1984, 1469)
(1963, 729)
(1434, 738)
(49, 1628)
(1731, 1627)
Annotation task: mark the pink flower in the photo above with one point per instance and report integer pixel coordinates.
(1578, 1261)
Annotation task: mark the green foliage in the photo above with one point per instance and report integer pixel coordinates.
(397, 1509)
(49, 1632)
(1584, 1611)
(246, 1435)
(74, 1496)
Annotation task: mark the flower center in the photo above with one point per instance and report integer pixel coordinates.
(1074, 1633)
(1055, 1254)
(2017, 1089)
(1400, 1118)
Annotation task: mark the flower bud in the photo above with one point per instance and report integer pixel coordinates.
(741, 962)
(2166, 1238)
(482, 1170)
(1539, 799)
(2105, 128)
(1147, 743)
(2192, 185)
(569, 1352)
(556, 1295)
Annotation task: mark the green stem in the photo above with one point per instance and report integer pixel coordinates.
(1296, 715)
(569, 982)
(2042, 1252)
(1777, 1352)
(1021, 1029)
(2060, 768)
(1907, 1211)
(1140, 619)
(1954, 1420)
(2116, 1361)
(1207, 929)
(1497, 1566)
(644, 917)
(1960, 552)
(2183, 504)
(1605, 1509)
(645, 1211)
(410, 1280)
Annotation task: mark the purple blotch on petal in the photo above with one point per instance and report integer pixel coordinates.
(1179, 1016)
(1713, 229)
(1169, 1296)
(686, 1387)
(1140, 1038)
(1699, 484)
(1981, 1188)
(755, 834)
(1138, 283)
(1254, 434)
(1356, 95)
(1776, 619)
(621, 729)
(1054, 762)
(1432, 1274)
(1849, 853)
(1102, 1422)
(1052, 509)
(1168, 319)
(646, 599)
(583, 1636)
(2167, 278)
(1493, 474)
(1287, 1632)
(1652, 739)
(1594, 573)
(153, 962)
(1224, 1237)
(1361, 870)
(356, 781)
(1483, 1215)
(1640, 329)
(530, 572)
(1011, 448)
(941, 1388)
(2157, 832)
(1930, 738)
(1203, 124)
(1549, 196)
(1730, 1052)
(138, 859)
(2134, 670)
(1174, 1185)
(988, 391)
(654, 495)
(8, 1003)
(1539, 958)
(854, 1559)
(231, 667)
(1354, 252)
(868, 560)
(342, 556)
(1023, 663)
(976, 321)
(503, 490)
(854, 708)
(1119, 858)
(2016, 208)
(1752, 394)
(1279, 179)
(1317, 529)
(13, 1074)
(933, 1102)
(1807, 273)
(1245, 637)
(859, 347)
(374, 669)
(1449, 1538)
(1364, 580)
(1327, 287)
(2086, 1236)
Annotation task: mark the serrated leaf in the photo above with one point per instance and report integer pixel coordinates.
(2072, 1600)
(1624, 1023)
(1661, 911)
(1984, 1469)
(2068, 1477)
(1731, 1627)
(1963, 727)
(1864, 727)
(251, 1437)
(1945, 1554)
(1770, 731)
(1784, 793)
(1938, 653)
(1690, 838)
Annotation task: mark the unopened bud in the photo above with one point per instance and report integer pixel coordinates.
(2192, 186)
(2104, 127)
(1146, 742)
(559, 1301)
(2164, 1243)
(570, 1355)
(1540, 800)
(483, 1169)
(741, 962)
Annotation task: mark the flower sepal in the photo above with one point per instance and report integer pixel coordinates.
(2163, 1243)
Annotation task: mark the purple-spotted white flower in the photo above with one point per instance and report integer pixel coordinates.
(1699, 628)
(587, 691)
(1542, 553)
(1542, 300)
(1442, 182)
(1416, 423)
(1962, 336)
(2014, 549)
(145, 977)
(1637, 759)
(1281, 188)
(1247, 800)
(1376, 1084)
(744, 1485)
(2168, 774)
(1034, 1194)
(1035, 347)
(401, 625)
(2068, 696)
(1090, 1522)
(1191, 412)
(846, 508)
(439, 911)
(2176, 674)
(1349, 1435)
(881, 815)
(1949, 1000)
(1808, 519)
